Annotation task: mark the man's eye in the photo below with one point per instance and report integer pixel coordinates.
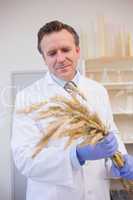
(65, 50)
(51, 53)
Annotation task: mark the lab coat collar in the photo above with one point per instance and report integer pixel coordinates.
(48, 79)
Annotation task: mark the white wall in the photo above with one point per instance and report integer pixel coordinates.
(19, 23)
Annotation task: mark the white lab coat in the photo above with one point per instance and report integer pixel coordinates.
(50, 175)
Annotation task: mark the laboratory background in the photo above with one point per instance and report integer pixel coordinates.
(106, 35)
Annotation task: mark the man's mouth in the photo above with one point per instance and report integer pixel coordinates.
(62, 67)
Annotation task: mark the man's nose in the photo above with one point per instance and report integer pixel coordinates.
(60, 57)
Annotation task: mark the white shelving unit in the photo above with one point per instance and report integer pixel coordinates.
(116, 74)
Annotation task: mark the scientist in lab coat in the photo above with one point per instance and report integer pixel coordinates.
(78, 172)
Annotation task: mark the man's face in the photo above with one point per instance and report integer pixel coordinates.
(60, 54)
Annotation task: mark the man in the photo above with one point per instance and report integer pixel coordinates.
(77, 172)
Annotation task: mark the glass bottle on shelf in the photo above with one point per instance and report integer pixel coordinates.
(129, 101)
(105, 77)
(120, 101)
(119, 78)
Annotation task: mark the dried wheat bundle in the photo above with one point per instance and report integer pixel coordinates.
(74, 120)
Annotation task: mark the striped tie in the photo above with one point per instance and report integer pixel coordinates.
(72, 89)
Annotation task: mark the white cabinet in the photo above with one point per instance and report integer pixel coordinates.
(116, 74)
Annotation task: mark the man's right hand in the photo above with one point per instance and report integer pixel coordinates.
(103, 149)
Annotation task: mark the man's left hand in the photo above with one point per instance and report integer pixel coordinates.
(126, 171)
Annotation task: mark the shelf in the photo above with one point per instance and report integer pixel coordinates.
(118, 85)
(110, 75)
(116, 75)
(106, 59)
(107, 68)
(128, 141)
(116, 61)
(123, 113)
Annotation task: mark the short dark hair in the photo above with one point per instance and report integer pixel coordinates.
(55, 26)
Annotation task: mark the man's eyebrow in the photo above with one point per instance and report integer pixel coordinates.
(66, 47)
(51, 51)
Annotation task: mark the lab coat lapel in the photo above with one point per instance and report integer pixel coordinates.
(54, 89)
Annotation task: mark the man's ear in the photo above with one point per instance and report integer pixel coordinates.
(78, 51)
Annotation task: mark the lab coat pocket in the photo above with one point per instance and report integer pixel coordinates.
(66, 193)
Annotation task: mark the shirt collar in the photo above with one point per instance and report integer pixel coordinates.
(55, 79)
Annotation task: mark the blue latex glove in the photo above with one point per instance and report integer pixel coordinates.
(126, 171)
(103, 149)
